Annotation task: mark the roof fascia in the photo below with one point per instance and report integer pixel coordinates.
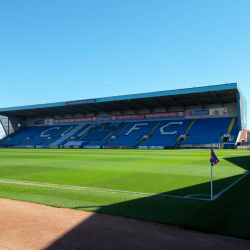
(193, 90)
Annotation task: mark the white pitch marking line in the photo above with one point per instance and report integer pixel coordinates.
(103, 189)
(197, 195)
(224, 190)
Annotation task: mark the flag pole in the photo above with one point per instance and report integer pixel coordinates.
(214, 160)
(211, 183)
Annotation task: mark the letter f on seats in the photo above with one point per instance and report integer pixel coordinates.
(136, 127)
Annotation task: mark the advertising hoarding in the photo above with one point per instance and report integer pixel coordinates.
(92, 147)
(127, 117)
(86, 119)
(206, 112)
(80, 102)
(149, 116)
(44, 122)
(150, 147)
(112, 147)
(169, 114)
(103, 118)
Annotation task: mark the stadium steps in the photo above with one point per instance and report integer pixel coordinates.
(83, 136)
(177, 144)
(230, 126)
(153, 128)
(228, 131)
(54, 135)
(112, 131)
(69, 139)
(107, 136)
(189, 127)
(33, 135)
(69, 132)
(123, 129)
(14, 135)
(149, 133)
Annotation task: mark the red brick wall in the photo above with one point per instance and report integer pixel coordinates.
(243, 135)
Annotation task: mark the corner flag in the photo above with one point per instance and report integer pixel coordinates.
(214, 160)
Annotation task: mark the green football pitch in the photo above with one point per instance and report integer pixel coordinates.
(168, 186)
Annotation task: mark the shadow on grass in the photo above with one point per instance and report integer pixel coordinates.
(241, 161)
(228, 215)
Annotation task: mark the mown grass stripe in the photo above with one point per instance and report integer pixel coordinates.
(224, 190)
(100, 189)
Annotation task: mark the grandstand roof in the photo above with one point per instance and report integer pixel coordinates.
(181, 98)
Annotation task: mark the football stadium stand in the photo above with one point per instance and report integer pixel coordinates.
(26, 135)
(132, 134)
(46, 134)
(11, 136)
(203, 117)
(62, 138)
(168, 133)
(98, 132)
(206, 131)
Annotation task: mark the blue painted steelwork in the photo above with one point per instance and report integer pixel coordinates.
(242, 107)
(193, 90)
(37, 106)
(227, 86)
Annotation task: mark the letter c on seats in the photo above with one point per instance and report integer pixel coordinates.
(170, 133)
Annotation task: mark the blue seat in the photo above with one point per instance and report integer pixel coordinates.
(62, 137)
(169, 140)
(28, 133)
(129, 137)
(208, 131)
(50, 131)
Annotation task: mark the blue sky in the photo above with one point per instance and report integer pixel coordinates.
(68, 50)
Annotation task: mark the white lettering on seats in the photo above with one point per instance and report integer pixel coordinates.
(65, 132)
(43, 135)
(170, 133)
(136, 128)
